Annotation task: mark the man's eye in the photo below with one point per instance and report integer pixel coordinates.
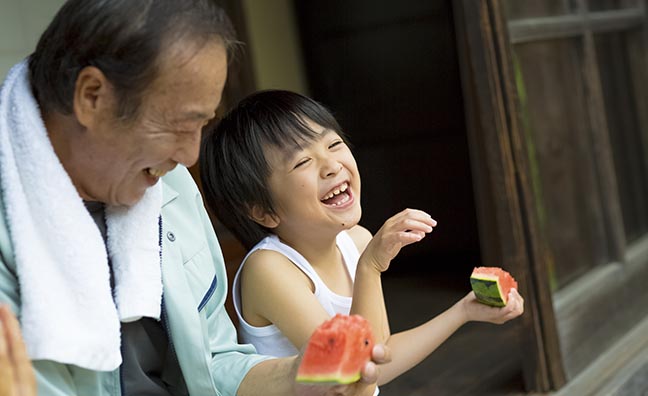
(301, 163)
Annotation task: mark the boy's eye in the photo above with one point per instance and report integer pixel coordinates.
(301, 163)
(335, 143)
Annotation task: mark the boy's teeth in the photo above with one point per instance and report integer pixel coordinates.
(337, 191)
(343, 201)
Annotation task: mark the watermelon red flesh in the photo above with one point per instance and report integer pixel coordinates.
(492, 285)
(337, 351)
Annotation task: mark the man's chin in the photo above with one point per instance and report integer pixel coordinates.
(130, 200)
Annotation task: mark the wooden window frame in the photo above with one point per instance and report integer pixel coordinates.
(557, 324)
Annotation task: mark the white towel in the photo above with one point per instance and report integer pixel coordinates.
(68, 312)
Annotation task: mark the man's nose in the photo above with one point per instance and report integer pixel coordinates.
(189, 150)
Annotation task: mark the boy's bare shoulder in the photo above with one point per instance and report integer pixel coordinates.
(269, 265)
(361, 236)
(269, 280)
(264, 260)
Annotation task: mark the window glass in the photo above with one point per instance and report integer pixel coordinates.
(622, 93)
(556, 123)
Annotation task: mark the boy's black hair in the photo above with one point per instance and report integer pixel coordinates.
(233, 168)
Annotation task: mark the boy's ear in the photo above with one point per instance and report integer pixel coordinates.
(262, 217)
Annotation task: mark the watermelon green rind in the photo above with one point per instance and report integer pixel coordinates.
(492, 285)
(488, 291)
(328, 379)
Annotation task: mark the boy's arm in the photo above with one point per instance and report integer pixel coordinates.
(281, 294)
(402, 229)
(368, 299)
(410, 347)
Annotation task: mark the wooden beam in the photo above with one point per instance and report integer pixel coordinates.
(565, 26)
(505, 207)
(537, 246)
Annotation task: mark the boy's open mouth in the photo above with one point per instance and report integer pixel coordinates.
(337, 196)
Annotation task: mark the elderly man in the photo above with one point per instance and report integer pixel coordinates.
(106, 252)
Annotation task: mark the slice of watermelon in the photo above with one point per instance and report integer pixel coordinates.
(337, 351)
(492, 285)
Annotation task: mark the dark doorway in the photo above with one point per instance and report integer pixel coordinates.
(391, 77)
(390, 73)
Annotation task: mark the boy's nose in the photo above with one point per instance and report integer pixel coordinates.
(331, 168)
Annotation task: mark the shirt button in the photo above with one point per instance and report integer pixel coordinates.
(170, 236)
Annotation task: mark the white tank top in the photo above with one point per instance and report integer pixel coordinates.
(269, 340)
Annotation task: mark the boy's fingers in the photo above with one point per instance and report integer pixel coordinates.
(519, 301)
(370, 373)
(417, 214)
(6, 367)
(23, 372)
(412, 235)
(515, 306)
(381, 354)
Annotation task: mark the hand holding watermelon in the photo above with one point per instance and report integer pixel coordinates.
(477, 311)
(340, 353)
(337, 351)
(492, 285)
(494, 298)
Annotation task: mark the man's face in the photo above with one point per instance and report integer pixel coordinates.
(122, 159)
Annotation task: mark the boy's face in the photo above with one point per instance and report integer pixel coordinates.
(315, 189)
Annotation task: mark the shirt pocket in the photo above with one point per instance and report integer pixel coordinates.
(203, 281)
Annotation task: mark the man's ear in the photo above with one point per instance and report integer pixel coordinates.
(262, 217)
(93, 94)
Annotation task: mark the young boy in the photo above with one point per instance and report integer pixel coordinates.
(279, 174)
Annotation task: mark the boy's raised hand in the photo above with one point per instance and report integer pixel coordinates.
(476, 311)
(402, 229)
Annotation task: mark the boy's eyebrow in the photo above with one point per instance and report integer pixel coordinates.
(292, 149)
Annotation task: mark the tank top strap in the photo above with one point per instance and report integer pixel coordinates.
(296, 258)
(349, 252)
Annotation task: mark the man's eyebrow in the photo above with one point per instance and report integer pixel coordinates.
(196, 116)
